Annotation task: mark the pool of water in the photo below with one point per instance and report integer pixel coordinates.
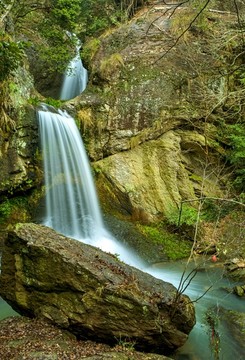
(6, 310)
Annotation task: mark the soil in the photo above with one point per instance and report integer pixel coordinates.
(22, 338)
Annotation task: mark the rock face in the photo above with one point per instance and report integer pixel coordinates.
(20, 158)
(142, 115)
(19, 138)
(151, 179)
(91, 293)
(148, 121)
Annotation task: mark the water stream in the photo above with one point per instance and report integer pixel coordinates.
(201, 343)
(71, 201)
(6, 310)
(72, 208)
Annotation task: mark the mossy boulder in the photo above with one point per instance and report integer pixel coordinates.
(235, 269)
(149, 181)
(90, 293)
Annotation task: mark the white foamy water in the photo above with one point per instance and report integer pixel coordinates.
(75, 79)
(71, 200)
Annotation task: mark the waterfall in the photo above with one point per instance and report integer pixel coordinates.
(72, 206)
(75, 78)
(71, 201)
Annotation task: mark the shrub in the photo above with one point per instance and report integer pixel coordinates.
(236, 155)
(11, 55)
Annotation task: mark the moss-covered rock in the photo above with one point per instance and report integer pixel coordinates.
(19, 150)
(149, 181)
(91, 293)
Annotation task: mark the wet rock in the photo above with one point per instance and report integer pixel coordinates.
(19, 138)
(239, 290)
(144, 133)
(91, 293)
(236, 268)
(149, 181)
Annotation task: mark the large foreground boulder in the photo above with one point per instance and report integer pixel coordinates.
(91, 293)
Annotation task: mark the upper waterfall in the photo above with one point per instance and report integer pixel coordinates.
(75, 77)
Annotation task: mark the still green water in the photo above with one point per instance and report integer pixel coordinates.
(6, 310)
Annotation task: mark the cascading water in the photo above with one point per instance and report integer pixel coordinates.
(72, 206)
(71, 201)
(72, 209)
(75, 78)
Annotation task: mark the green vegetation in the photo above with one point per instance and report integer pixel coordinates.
(126, 344)
(47, 26)
(67, 13)
(53, 102)
(111, 65)
(173, 247)
(205, 209)
(236, 155)
(34, 101)
(11, 55)
(14, 209)
(89, 50)
(187, 215)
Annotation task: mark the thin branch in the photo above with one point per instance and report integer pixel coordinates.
(7, 11)
(175, 6)
(189, 277)
(183, 32)
(201, 296)
(214, 198)
(238, 18)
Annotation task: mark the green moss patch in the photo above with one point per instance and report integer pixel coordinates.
(173, 247)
